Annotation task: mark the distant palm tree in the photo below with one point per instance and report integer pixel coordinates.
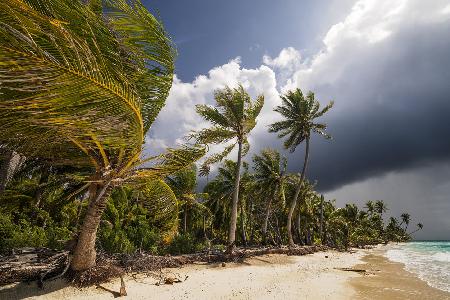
(370, 206)
(419, 227)
(204, 171)
(270, 176)
(405, 219)
(233, 118)
(183, 184)
(299, 113)
(380, 207)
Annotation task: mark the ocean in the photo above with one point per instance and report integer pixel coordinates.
(430, 260)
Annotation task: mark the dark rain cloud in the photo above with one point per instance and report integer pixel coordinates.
(392, 109)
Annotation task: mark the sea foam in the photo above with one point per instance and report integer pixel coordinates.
(430, 260)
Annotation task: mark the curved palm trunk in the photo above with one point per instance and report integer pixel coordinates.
(234, 207)
(84, 254)
(297, 192)
(267, 215)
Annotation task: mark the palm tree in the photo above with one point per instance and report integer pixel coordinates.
(204, 170)
(405, 219)
(370, 206)
(270, 169)
(299, 113)
(183, 184)
(232, 119)
(419, 227)
(380, 207)
(84, 94)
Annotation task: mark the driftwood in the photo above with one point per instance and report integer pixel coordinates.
(352, 270)
(42, 264)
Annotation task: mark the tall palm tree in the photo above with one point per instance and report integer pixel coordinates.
(233, 117)
(82, 82)
(270, 170)
(405, 219)
(299, 114)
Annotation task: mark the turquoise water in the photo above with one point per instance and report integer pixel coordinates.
(430, 260)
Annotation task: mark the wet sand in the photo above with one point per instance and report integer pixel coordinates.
(389, 280)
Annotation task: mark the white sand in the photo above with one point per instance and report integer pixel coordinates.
(266, 277)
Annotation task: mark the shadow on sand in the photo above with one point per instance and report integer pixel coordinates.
(25, 290)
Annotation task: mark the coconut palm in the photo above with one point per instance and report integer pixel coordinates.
(270, 170)
(405, 219)
(380, 207)
(232, 120)
(183, 184)
(221, 190)
(299, 114)
(419, 227)
(82, 82)
(204, 171)
(370, 206)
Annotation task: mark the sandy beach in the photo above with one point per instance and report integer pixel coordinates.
(314, 276)
(265, 277)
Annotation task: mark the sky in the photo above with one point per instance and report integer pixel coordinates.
(385, 63)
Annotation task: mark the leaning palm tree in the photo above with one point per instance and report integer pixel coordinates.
(299, 114)
(419, 227)
(232, 120)
(270, 177)
(82, 82)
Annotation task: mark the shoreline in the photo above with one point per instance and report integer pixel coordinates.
(272, 276)
(390, 280)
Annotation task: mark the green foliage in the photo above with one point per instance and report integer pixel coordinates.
(185, 243)
(26, 234)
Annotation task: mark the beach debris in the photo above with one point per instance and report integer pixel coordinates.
(363, 271)
(43, 264)
(123, 291)
(224, 264)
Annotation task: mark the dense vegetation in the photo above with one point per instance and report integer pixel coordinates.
(82, 83)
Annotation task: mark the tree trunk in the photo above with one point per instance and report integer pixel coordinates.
(321, 220)
(297, 192)
(267, 215)
(299, 228)
(4, 169)
(84, 254)
(185, 218)
(251, 225)
(233, 220)
(244, 235)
